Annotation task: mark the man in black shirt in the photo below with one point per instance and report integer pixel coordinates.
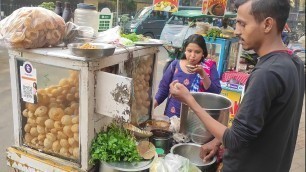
(263, 134)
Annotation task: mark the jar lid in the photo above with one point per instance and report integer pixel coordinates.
(160, 151)
(86, 6)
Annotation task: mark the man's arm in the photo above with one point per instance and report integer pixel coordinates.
(180, 92)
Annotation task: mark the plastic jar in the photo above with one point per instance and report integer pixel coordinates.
(86, 15)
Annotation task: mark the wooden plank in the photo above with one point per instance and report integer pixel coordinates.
(25, 161)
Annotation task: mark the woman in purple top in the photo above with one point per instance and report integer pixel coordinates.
(194, 70)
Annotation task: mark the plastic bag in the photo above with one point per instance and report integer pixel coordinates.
(109, 36)
(175, 123)
(78, 34)
(173, 163)
(32, 27)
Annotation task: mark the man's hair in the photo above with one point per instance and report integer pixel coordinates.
(276, 9)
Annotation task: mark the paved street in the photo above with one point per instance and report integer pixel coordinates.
(298, 164)
(6, 116)
(6, 121)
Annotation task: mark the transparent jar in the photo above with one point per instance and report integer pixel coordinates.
(86, 15)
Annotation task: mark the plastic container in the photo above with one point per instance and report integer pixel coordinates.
(86, 15)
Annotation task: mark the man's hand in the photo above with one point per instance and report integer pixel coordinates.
(210, 149)
(180, 92)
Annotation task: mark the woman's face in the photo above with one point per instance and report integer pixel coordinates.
(194, 54)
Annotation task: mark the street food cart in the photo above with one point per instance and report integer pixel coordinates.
(60, 101)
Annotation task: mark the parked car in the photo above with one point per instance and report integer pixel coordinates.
(182, 24)
(149, 22)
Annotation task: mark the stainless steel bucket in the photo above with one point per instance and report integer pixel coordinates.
(215, 105)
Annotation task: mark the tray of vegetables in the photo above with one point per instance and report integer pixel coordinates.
(117, 148)
(140, 40)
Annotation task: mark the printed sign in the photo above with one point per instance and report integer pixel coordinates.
(105, 22)
(166, 5)
(28, 83)
(235, 97)
(214, 7)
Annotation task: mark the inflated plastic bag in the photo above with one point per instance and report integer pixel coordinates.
(173, 163)
(32, 27)
(109, 36)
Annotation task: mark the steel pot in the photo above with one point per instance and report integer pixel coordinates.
(216, 105)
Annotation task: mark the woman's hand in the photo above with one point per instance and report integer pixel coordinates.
(200, 70)
(196, 69)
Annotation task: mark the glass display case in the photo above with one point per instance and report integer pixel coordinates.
(50, 109)
(60, 102)
(233, 56)
(223, 51)
(142, 74)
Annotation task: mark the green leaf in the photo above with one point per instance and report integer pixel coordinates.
(113, 145)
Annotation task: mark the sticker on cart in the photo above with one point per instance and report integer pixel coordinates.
(28, 82)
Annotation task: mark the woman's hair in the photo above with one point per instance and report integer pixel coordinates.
(35, 85)
(196, 39)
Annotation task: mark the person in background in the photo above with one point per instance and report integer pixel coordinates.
(285, 34)
(34, 92)
(194, 70)
(263, 134)
(225, 24)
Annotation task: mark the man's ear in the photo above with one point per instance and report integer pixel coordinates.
(268, 24)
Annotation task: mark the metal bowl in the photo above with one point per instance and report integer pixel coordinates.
(141, 166)
(102, 50)
(191, 151)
